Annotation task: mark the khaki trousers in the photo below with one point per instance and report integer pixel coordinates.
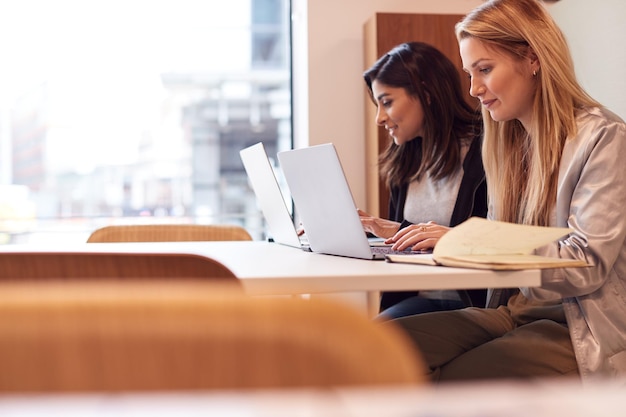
(477, 343)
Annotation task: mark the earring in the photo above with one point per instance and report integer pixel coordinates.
(534, 73)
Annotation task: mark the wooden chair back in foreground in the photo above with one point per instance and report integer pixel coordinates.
(90, 265)
(112, 337)
(168, 233)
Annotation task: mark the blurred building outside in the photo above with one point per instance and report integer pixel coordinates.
(150, 133)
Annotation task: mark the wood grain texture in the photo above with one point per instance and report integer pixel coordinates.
(110, 337)
(168, 233)
(15, 266)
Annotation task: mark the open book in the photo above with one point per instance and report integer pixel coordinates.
(488, 244)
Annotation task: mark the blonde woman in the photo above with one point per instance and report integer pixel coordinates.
(553, 156)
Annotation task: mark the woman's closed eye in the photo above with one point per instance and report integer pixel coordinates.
(484, 70)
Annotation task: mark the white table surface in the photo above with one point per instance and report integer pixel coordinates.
(494, 399)
(266, 268)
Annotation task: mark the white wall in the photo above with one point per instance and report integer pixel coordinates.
(596, 32)
(328, 62)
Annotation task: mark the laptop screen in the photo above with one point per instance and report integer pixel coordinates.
(269, 196)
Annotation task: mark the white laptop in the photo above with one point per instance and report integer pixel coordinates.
(269, 197)
(325, 205)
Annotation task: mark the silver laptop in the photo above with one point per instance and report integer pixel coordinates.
(269, 196)
(325, 205)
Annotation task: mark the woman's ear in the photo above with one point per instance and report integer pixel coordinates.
(535, 65)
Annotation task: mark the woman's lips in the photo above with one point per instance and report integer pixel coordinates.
(488, 103)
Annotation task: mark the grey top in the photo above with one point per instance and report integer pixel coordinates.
(434, 200)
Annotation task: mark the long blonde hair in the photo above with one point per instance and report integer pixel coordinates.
(522, 166)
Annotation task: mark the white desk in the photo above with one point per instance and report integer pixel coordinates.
(503, 399)
(266, 268)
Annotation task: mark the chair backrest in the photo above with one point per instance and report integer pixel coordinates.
(107, 337)
(168, 233)
(88, 265)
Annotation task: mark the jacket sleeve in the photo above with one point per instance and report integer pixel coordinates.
(591, 199)
(397, 197)
(472, 197)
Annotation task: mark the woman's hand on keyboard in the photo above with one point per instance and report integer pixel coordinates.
(417, 237)
(377, 226)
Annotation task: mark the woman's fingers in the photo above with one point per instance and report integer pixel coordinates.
(418, 236)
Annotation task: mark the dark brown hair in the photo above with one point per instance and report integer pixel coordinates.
(430, 77)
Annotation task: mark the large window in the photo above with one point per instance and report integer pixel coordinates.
(120, 111)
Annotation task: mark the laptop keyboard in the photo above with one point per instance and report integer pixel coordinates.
(386, 250)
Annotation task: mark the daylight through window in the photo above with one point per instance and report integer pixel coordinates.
(127, 111)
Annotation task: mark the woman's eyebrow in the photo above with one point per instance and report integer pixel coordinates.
(380, 96)
(476, 63)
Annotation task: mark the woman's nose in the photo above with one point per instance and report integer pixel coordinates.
(475, 88)
(381, 116)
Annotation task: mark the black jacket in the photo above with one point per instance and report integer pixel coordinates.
(471, 201)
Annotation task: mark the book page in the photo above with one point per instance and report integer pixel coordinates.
(421, 259)
(509, 262)
(487, 244)
(478, 236)
(495, 262)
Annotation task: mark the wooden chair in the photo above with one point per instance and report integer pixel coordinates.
(106, 337)
(87, 265)
(168, 233)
